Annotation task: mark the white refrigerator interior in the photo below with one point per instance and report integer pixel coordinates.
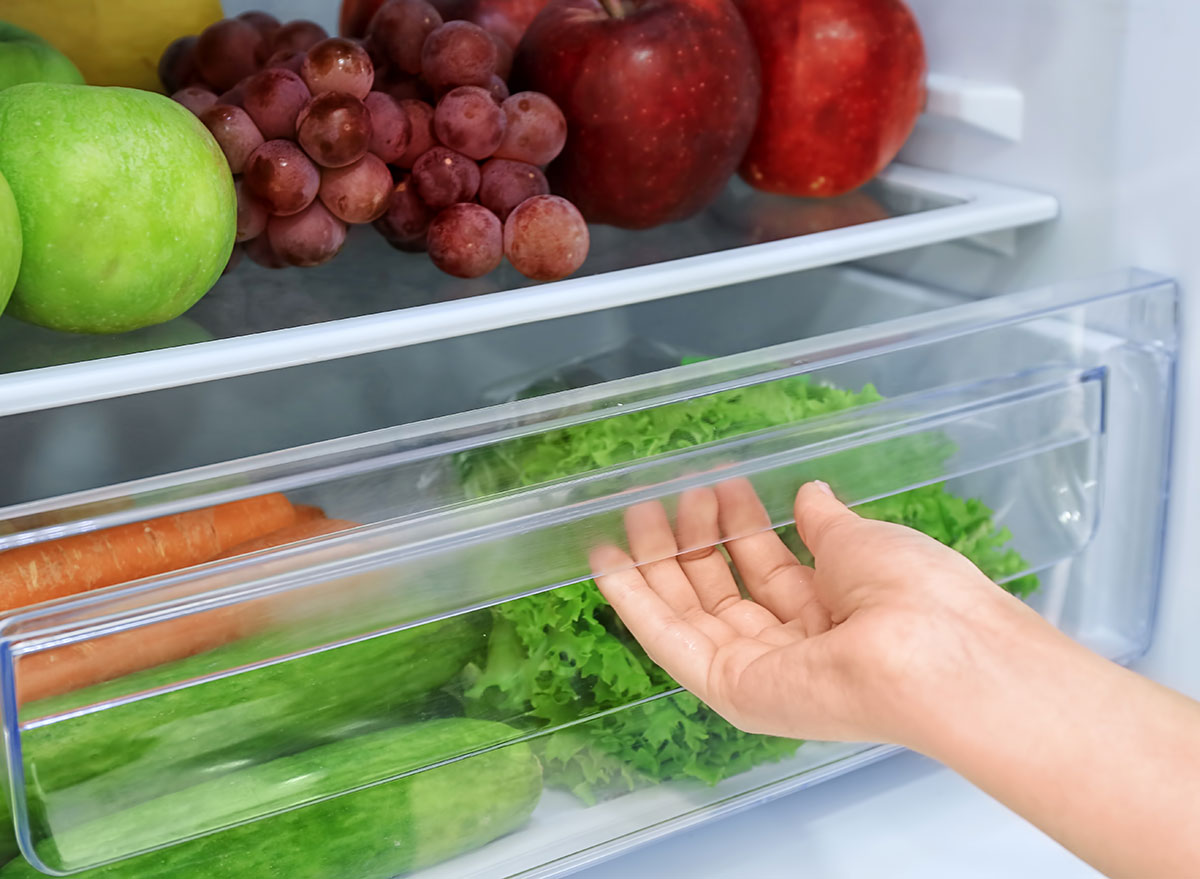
(1018, 327)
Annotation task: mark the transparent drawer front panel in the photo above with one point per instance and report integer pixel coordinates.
(443, 691)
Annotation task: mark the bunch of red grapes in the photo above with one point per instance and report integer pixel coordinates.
(411, 129)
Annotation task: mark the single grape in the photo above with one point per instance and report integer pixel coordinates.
(273, 97)
(252, 214)
(196, 98)
(444, 177)
(297, 36)
(420, 117)
(263, 22)
(338, 65)
(536, 129)
(504, 184)
(177, 67)
(469, 121)
(235, 132)
(309, 238)
(504, 55)
(546, 238)
(287, 60)
(498, 89)
(406, 218)
(335, 129)
(282, 177)
(227, 52)
(390, 129)
(235, 97)
(260, 251)
(357, 193)
(458, 53)
(465, 240)
(411, 89)
(398, 31)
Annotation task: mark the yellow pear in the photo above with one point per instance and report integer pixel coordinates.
(113, 42)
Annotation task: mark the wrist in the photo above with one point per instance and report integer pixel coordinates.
(1000, 654)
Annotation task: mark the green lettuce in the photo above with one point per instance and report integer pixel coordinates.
(559, 656)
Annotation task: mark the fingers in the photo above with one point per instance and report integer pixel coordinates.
(773, 575)
(700, 536)
(821, 517)
(652, 543)
(707, 570)
(682, 649)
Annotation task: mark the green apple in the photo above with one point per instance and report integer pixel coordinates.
(10, 242)
(26, 57)
(127, 206)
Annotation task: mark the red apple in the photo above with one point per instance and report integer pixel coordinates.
(843, 84)
(660, 96)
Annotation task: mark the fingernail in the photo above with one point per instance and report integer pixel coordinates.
(823, 486)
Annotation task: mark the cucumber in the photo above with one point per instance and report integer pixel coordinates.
(374, 833)
(137, 751)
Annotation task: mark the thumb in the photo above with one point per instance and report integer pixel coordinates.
(819, 516)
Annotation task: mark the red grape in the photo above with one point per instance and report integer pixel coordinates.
(469, 121)
(281, 176)
(227, 52)
(196, 98)
(309, 238)
(357, 193)
(536, 129)
(504, 184)
(458, 53)
(420, 117)
(235, 132)
(504, 55)
(177, 66)
(263, 22)
(288, 60)
(390, 129)
(338, 65)
(297, 36)
(335, 129)
(546, 238)
(406, 219)
(260, 251)
(235, 96)
(465, 240)
(444, 177)
(498, 89)
(273, 97)
(412, 89)
(398, 31)
(252, 214)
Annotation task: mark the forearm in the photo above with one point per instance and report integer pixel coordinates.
(1104, 761)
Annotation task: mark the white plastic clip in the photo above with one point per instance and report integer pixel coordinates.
(996, 109)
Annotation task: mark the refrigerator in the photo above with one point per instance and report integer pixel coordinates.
(998, 330)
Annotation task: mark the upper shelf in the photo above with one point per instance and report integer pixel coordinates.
(372, 298)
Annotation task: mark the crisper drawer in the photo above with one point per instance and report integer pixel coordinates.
(439, 689)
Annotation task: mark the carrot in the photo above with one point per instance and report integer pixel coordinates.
(306, 513)
(63, 669)
(290, 534)
(56, 568)
(75, 666)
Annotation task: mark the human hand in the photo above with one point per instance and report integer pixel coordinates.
(869, 644)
